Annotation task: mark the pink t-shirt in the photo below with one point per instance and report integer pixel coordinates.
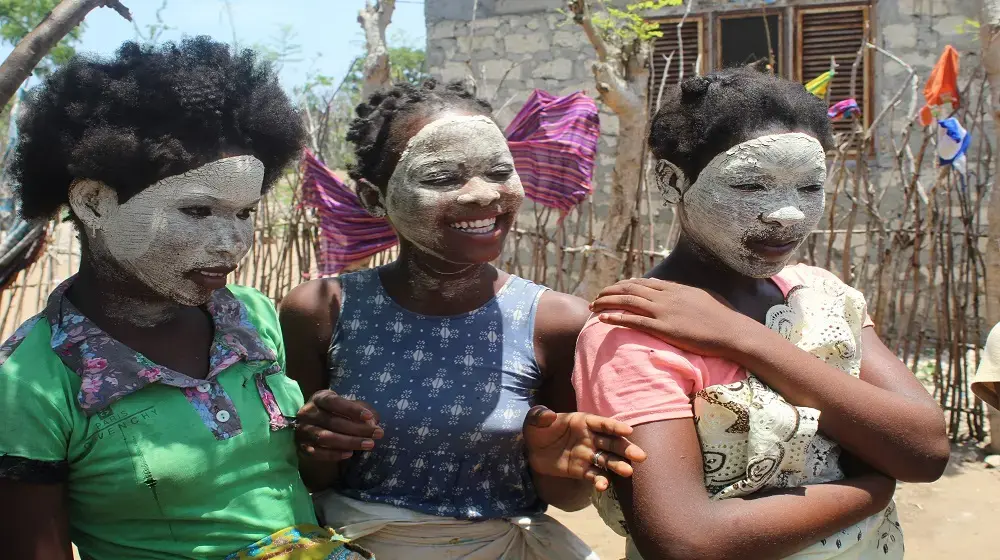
(637, 378)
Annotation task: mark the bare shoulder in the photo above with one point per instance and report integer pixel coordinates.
(560, 315)
(314, 305)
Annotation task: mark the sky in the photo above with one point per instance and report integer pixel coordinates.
(327, 30)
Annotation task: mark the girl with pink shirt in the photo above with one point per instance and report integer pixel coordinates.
(800, 457)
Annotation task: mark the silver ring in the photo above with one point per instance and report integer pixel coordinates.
(597, 459)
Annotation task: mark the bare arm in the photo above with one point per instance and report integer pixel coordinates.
(34, 524)
(558, 321)
(677, 520)
(329, 426)
(885, 418)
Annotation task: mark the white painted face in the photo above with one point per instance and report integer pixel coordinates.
(454, 192)
(755, 203)
(182, 235)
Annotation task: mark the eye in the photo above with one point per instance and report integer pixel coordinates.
(812, 189)
(440, 179)
(500, 174)
(197, 211)
(750, 187)
(246, 213)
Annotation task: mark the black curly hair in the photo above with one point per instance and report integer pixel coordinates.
(709, 114)
(377, 153)
(148, 113)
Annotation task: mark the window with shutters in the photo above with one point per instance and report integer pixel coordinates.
(666, 47)
(836, 33)
(746, 38)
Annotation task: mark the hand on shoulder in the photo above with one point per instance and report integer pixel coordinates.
(692, 319)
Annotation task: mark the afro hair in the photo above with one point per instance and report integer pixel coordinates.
(370, 131)
(709, 114)
(148, 113)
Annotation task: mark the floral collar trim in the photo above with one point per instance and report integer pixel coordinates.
(111, 370)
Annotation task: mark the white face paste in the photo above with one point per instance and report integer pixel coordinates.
(756, 202)
(456, 175)
(167, 235)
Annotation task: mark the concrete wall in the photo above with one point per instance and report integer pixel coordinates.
(513, 46)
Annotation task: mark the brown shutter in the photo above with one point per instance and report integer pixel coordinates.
(838, 32)
(691, 36)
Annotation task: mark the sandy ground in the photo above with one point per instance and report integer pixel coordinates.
(953, 518)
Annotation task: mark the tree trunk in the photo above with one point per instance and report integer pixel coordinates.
(622, 82)
(604, 266)
(989, 34)
(374, 20)
(36, 44)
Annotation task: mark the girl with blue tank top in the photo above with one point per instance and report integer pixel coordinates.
(441, 417)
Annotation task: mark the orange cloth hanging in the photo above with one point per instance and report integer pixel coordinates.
(942, 88)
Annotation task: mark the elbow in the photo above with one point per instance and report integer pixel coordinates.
(930, 464)
(930, 454)
(691, 546)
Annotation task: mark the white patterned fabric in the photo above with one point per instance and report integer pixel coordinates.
(753, 440)
(398, 533)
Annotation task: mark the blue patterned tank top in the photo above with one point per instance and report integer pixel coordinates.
(452, 394)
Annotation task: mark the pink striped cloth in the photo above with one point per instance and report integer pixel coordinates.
(554, 143)
(348, 233)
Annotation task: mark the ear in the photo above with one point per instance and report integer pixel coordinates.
(671, 181)
(92, 202)
(371, 198)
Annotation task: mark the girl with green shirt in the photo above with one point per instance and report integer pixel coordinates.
(145, 413)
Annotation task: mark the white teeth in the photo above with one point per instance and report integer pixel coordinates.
(213, 274)
(474, 227)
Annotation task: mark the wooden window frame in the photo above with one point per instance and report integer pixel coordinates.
(867, 78)
(779, 49)
(669, 26)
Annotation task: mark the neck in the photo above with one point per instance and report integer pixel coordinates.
(103, 294)
(692, 265)
(427, 284)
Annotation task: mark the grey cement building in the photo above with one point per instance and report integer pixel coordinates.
(511, 47)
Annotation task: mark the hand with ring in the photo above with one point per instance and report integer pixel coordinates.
(579, 445)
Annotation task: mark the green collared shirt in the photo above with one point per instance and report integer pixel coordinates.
(158, 465)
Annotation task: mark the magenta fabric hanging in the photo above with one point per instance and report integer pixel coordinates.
(554, 143)
(348, 233)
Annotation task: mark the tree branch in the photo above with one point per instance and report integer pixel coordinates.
(374, 20)
(40, 40)
(581, 15)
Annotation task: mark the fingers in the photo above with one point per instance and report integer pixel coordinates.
(638, 322)
(601, 482)
(540, 416)
(620, 447)
(611, 463)
(654, 283)
(317, 436)
(630, 303)
(608, 426)
(630, 287)
(332, 403)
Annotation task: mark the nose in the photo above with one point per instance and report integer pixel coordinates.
(231, 240)
(480, 192)
(785, 216)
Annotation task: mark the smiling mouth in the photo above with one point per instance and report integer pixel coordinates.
(213, 277)
(476, 227)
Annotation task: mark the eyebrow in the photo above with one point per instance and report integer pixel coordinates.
(199, 197)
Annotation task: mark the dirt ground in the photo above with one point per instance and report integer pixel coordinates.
(953, 518)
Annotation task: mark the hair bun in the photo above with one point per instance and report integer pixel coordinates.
(694, 87)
